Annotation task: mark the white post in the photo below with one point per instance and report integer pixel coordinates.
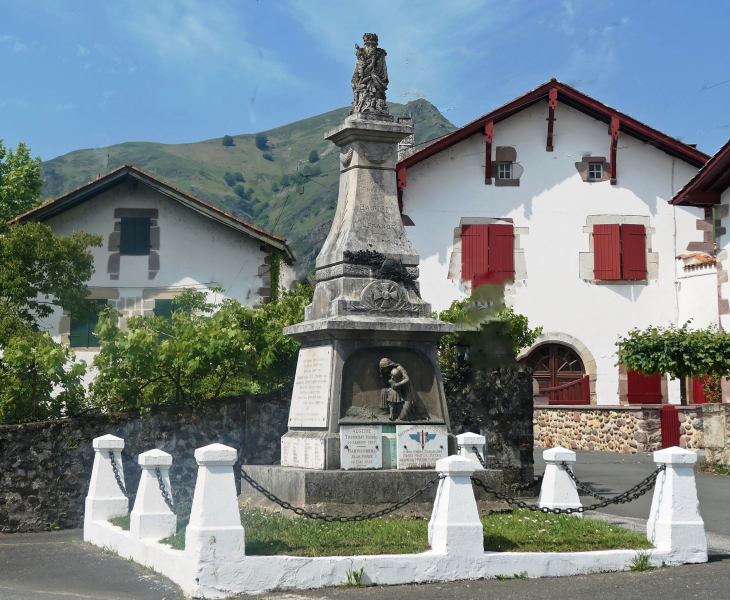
(105, 500)
(466, 443)
(675, 524)
(455, 527)
(558, 489)
(151, 517)
(214, 539)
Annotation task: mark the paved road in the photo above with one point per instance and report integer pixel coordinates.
(611, 473)
(58, 566)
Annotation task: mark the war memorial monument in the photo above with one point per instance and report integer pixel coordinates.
(368, 394)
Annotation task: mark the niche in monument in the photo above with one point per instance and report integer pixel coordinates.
(390, 385)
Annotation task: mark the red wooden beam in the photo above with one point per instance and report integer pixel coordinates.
(552, 103)
(615, 132)
(401, 175)
(488, 136)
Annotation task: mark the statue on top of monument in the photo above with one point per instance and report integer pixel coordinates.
(370, 78)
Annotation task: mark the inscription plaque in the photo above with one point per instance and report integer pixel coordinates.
(420, 446)
(307, 453)
(361, 447)
(309, 402)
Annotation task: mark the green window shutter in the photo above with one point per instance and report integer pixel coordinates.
(142, 236)
(79, 334)
(134, 237)
(93, 322)
(164, 308)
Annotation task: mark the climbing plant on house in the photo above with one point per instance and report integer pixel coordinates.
(681, 352)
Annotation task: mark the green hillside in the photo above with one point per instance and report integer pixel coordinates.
(268, 192)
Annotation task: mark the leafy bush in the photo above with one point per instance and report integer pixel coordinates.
(230, 179)
(238, 176)
(493, 332)
(262, 141)
(240, 190)
(227, 140)
(313, 156)
(268, 156)
(39, 380)
(206, 351)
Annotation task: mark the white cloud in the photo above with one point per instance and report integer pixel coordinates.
(13, 43)
(64, 106)
(81, 51)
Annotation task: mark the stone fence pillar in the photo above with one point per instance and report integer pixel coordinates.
(455, 527)
(214, 539)
(715, 424)
(558, 489)
(675, 524)
(105, 499)
(466, 442)
(151, 517)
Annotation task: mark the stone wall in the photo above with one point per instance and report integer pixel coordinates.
(615, 429)
(45, 467)
(497, 404)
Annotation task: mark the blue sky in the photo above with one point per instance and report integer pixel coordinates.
(86, 74)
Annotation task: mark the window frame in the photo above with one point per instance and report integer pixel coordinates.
(508, 167)
(618, 255)
(135, 236)
(85, 329)
(592, 175)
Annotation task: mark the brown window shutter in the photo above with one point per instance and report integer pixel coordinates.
(474, 253)
(606, 252)
(501, 254)
(633, 252)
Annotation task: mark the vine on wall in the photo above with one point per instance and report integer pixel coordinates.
(274, 272)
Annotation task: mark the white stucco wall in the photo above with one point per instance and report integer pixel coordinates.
(553, 204)
(195, 252)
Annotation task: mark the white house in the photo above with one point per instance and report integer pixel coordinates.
(710, 190)
(158, 241)
(572, 198)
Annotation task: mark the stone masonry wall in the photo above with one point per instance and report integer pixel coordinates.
(45, 467)
(615, 429)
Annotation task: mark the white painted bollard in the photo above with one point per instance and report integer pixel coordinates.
(105, 500)
(151, 517)
(214, 539)
(455, 527)
(466, 442)
(558, 489)
(675, 524)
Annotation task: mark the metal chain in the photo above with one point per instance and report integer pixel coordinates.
(165, 495)
(515, 488)
(635, 492)
(583, 486)
(116, 474)
(331, 519)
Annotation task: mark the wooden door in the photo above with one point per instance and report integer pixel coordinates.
(554, 365)
(643, 389)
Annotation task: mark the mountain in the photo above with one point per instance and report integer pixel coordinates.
(260, 183)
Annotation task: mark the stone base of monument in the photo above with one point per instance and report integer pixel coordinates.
(367, 488)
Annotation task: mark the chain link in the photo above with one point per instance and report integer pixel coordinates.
(517, 487)
(116, 474)
(331, 519)
(635, 492)
(583, 486)
(163, 489)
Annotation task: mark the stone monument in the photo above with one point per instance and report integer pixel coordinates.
(368, 358)
(368, 417)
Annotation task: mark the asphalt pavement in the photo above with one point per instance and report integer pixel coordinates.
(59, 566)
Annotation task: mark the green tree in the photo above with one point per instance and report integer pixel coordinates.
(238, 176)
(493, 332)
(227, 140)
(313, 156)
(262, 141)
(267, 156)
(20, 181)
(240, 191)
(679, 351)
(229, 179)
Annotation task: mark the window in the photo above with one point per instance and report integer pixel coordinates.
(619, 252)
(135, 236)
(487, 253)
(643, 389)
(82, 332)
(595, 171)
(505, 170)
(164, 308)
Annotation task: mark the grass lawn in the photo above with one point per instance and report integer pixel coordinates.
(523, 531)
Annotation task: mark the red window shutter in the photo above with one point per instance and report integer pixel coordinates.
(644, 389)
(698, 394)
(607, 252)
(474, 253)
(633, 252)
(501, 254)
